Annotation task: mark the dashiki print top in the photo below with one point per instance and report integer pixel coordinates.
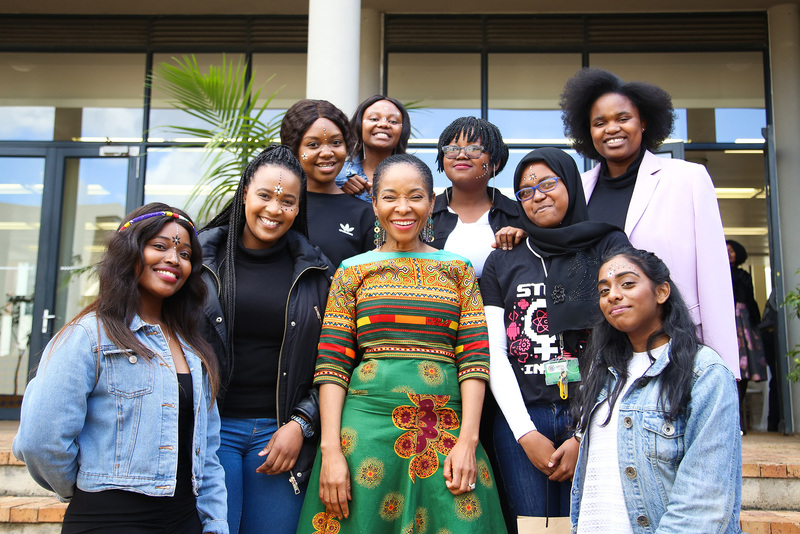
(403, 305)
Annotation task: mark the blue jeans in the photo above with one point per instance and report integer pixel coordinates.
(257, 503)
(525, 485)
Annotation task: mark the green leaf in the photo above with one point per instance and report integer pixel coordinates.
(235, 131)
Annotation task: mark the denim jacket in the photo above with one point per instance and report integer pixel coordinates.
(102, 418)
(680, 476)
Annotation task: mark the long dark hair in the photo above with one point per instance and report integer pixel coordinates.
(358, 118)
(233, 216)
(587, 85)
(118, 298)
(608, 347)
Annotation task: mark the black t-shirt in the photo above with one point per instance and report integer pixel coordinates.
(515, 281)
(263, 278)
(340, 225)
(611, 197)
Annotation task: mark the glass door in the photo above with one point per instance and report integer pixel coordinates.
(57, 206)
(21, 186)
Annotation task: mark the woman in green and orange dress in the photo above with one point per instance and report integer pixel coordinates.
(402, 369)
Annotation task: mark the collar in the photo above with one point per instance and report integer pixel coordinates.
(500, 202)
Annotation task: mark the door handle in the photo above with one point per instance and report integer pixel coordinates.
(46, 316)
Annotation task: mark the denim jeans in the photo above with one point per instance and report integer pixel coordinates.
(257, 503)
(525, 485)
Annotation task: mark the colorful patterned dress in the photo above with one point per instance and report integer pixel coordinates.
(401, 331)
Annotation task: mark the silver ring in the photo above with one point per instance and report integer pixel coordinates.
(471, 486)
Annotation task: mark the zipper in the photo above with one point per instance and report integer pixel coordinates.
(319, 317)
(280, 360)
(216, 277)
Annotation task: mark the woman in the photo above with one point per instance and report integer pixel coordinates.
(120, 419)
(402, 368)
(658, 413)
(471, 218)
(267, 289)
(318, 134)
(667, 206)
(382, 127)
(752, 359)
(540, 300)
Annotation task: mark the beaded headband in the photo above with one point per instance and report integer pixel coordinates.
(157, 214)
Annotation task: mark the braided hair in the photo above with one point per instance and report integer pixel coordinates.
(233, 217)
(473, 129)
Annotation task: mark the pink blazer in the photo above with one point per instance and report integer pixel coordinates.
(674, 213)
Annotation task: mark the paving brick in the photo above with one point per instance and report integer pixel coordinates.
(751, 470)
(773, 470)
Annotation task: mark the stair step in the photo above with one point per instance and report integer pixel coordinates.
(770, 522)
(31, 510)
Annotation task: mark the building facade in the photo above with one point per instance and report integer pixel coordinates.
(83, 137)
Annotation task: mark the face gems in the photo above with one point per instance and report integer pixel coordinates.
(304, 156)
(614, 267)
(531, 176)
(176, 240)
(279, 187)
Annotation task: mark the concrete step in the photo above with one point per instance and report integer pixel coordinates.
(36, 515)
(15, 480)
(771, 486)
(31, 515)
(764, 522)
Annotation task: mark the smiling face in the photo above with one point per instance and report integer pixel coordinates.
(402, 206)
(381, 126)
(271, 202)
(322, 154)
(616, 130)
(466, 173)
(166, 263)
(545, 210)
(629, 300)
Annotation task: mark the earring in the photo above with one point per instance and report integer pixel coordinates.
(380, 234)
(427, 233)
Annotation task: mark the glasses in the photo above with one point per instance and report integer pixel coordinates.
(545, 186)
(471, 151)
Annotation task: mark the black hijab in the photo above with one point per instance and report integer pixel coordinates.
(573, 249)
(576, 232)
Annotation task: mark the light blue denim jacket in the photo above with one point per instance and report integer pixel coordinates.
(350, 168)
(108, 419)
(683, 476)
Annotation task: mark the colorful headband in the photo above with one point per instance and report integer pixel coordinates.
(157, 214)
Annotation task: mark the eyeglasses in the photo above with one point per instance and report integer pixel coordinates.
(545, 186)
(471, 151)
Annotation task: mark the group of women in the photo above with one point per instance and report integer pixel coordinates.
(233, 380)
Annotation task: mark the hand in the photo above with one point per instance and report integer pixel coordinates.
(460, 468)
(282, 450)
(564, 460)
(539, 450)
(334, 484)
(507, 237)
(356, 184)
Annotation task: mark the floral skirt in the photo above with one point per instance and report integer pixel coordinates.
(752, 361)
(400, 420)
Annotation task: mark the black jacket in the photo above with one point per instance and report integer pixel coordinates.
(304, 310)
(504, 212)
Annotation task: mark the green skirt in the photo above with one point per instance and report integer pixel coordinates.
(400, 420)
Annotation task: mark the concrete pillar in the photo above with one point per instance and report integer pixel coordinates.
(334, 36)
(784, 46)
(371, 80)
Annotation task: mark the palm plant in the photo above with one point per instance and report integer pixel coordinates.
(236, 130)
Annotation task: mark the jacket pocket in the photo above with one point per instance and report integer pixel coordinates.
(663, 438)
(129, 375)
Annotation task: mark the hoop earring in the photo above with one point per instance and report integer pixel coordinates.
(380, 234)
